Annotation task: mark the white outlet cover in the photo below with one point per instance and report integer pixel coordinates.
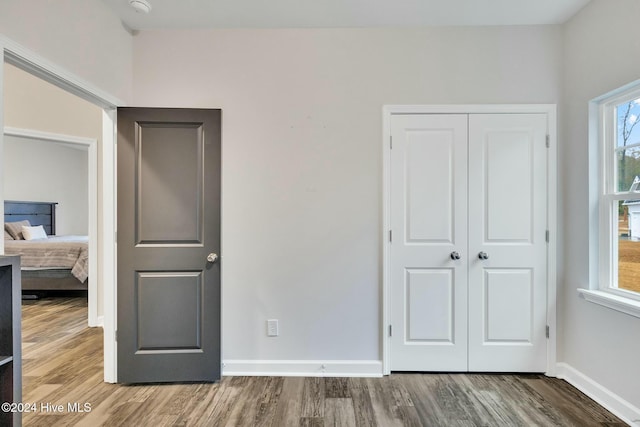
(272, 327)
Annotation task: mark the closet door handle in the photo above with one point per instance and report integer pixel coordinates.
(483, 255)
(455, 255)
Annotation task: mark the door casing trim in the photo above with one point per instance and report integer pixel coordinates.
(552, 183)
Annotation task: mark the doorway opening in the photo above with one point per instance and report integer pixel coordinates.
(13, 54)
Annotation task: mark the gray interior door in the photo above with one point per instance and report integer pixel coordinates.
(168, 326)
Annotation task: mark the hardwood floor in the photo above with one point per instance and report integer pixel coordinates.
(63, 365)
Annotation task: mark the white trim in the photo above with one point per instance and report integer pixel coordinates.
(49, 136)
(470, 109)
(603, 198)
(100, 321)
(92, 145)
(27, 60)
(552, 226)
(595, 178)
(552, 188)
(387, 111)
(109, 249)
(303, 368)
(620, 93)
(603, 396)
(623, 304)
(21, 57)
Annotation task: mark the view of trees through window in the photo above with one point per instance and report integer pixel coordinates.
(628, 179)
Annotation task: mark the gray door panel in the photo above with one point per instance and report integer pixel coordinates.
(168, 222)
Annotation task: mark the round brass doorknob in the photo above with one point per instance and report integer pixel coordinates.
(212, 257)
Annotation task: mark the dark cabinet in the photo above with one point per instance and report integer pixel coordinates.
(10, 338)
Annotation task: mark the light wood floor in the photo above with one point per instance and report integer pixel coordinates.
(63, 364)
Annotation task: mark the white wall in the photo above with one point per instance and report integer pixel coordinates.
(49, 172)
(601, 51)
(31, 103)
(83, 37)
(302, 160)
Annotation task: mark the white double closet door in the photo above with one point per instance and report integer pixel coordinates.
(468, 211)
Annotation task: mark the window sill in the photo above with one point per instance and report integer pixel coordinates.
(614, 302)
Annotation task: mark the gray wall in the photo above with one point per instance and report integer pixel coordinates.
(49, 172)
(601, 51)
(302, 158)
(84, 37)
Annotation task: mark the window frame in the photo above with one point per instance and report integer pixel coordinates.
(603, 203)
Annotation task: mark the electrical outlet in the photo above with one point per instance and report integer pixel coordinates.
(272, 327)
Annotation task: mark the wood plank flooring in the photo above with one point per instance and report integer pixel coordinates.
(63, 365)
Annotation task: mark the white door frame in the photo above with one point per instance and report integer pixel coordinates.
(92, 150)
(17, 55)
(390, 110)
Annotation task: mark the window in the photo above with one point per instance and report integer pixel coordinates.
(619, 195)
(626, 148)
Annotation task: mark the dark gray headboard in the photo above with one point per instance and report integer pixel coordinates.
(38, 213)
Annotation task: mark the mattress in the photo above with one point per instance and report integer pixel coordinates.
(55, 252)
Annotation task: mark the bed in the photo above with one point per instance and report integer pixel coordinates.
(54, 263)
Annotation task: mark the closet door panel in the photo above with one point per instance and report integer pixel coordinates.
(507, 164)
(516, 286)
(428, 221)
(507, 245)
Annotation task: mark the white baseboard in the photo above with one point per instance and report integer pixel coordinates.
(97, 322)
(303, 368)
(605, 397)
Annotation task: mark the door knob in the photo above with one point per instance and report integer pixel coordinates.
(212, 257)
(483, 255)
(455, 255)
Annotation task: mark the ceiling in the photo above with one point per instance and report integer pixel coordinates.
(183, 14)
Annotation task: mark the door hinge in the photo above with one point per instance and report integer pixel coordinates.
(390, 330)
(546, 236)
(547, 331)
(390, 142)
(390, 235)
(548, 141)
